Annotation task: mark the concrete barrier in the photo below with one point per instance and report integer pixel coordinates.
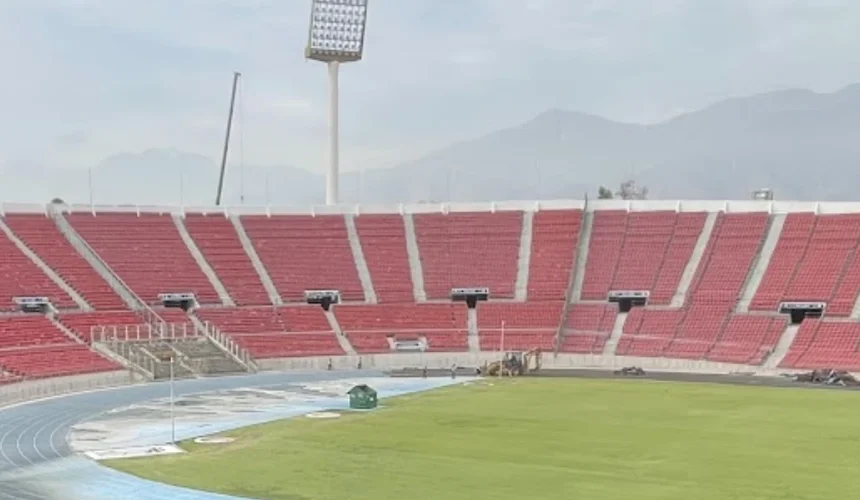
(38, 389)
(561, 360)
(29, 390)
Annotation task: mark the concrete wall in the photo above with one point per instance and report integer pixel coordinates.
(734, 206)
(38, 389)
(45, 388)
(446, 360)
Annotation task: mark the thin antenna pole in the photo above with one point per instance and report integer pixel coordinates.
(241, 91)
(236, 76)
(90, 183)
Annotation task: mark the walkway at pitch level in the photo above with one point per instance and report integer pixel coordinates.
(37, 463)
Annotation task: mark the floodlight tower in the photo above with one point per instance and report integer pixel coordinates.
(335, 36)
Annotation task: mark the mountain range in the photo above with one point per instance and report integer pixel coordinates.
(799, 143)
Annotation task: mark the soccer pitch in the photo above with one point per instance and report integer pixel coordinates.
(545, 439)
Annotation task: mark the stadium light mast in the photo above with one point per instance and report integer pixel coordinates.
(335, 36)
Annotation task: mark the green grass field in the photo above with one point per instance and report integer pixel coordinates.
(545, 439)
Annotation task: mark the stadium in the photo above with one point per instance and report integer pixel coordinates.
(121, 298)
(553, 349)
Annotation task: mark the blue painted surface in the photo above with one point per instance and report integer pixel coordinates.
(36, 461)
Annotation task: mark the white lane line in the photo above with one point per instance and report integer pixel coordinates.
(56, 423)
(31, 425)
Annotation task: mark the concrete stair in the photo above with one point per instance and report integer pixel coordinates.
(581, 257)
(762, 261)
(524, 261)
(782, 347)
(342, 339)
(695, 259)
(60, 326)
(360, 262)
(617, 329)
(205, 358)
(225, 343)
(472, 328)
(262, 273)
(86, 251)
(414, 254)
(219, 287)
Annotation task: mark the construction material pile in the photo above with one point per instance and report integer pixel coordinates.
(631, 371)
(827, 376)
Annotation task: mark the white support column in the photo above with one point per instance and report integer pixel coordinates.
(332, 187)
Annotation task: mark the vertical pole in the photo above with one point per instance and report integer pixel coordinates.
(172, 414)
(502, 349)
(332, 195)
(181, 190)
(236, 75)
(267, 188)
(90, 184)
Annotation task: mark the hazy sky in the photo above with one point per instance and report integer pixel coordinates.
(85, 79)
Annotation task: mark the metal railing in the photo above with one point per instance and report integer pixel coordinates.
(230, 346)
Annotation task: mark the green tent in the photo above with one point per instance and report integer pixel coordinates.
(362, 397)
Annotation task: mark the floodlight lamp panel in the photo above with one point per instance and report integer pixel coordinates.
(336, 31)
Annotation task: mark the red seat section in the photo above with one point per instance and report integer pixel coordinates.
(54, 361)
(305, 253)
(783, 263)
(747, 339)
(32, 347)
(383, 242)
(726, 262)
(469, 250)
(22, 278)
(587, 328)
(824, 344)
(697, 333)
(555, 236)
(693, 332)
(216, 238)
(848, 287)
(41, 235)
(146, 252)
(443, 325)
(269, 332)
(27, 331)
(832, 246)
(688, 227)
(649, 332)
(812, 262)
(639, 251)
(530, 325)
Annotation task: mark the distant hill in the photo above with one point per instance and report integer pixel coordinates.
(802, 144)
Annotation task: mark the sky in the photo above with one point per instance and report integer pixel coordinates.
(89, 79)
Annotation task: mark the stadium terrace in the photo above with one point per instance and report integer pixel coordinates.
(118, 292)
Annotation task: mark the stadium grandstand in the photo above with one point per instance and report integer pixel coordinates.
(772, 285)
